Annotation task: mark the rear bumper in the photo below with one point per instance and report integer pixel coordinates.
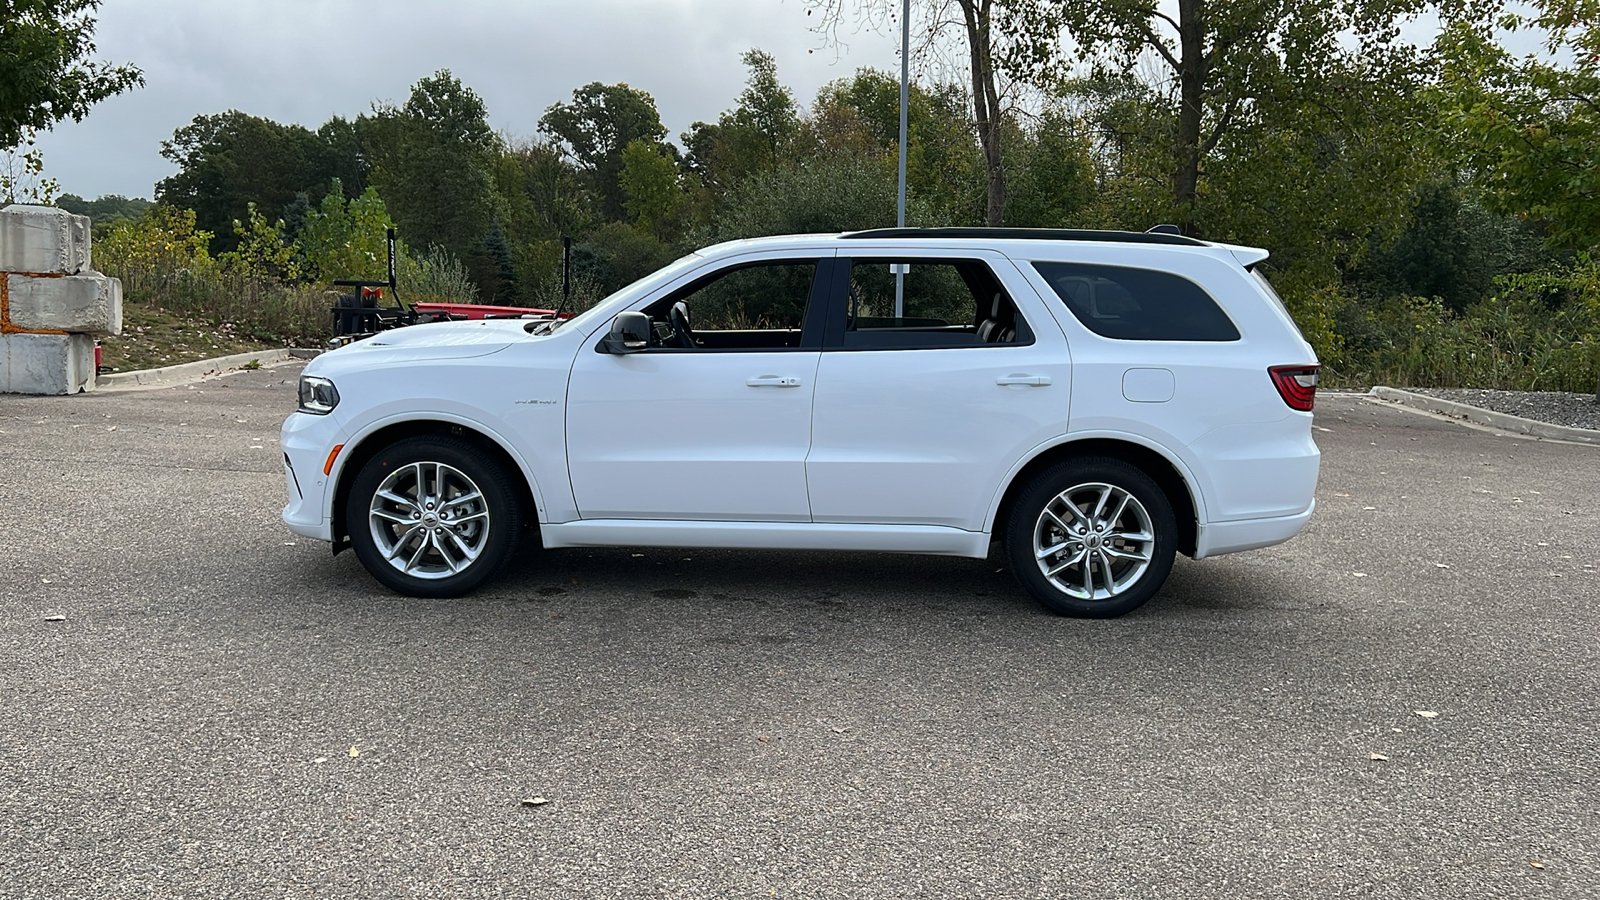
(1217, 538)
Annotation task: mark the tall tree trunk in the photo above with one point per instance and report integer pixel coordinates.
(986, 105)
(1192, 66)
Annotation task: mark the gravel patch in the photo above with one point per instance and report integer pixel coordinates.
(1550, 407)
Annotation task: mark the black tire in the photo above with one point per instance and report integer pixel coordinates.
(446, 549)
(1127, 533)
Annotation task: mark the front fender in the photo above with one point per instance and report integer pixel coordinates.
(385, 419)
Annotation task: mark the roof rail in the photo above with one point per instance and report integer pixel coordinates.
(1029, 234)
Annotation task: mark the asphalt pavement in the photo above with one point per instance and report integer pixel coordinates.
(194, 702)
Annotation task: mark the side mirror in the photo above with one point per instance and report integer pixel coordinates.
(630, 333)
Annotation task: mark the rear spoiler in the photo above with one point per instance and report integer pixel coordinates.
(1247, 256)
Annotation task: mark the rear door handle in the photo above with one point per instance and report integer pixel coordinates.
(773, 381)
(1019, 378)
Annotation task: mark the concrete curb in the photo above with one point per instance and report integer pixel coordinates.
(1502, 421)
(187, 373)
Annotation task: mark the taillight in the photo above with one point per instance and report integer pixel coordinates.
(1297, 385)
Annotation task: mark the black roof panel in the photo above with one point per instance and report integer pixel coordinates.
(1029, 234)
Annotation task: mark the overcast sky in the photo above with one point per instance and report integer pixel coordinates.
(307, 60)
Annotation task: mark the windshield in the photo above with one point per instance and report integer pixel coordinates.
(665, 272)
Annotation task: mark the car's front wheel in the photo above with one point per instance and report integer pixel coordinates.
(1092, 537)
(432, 516)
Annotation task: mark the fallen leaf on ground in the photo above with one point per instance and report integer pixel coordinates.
(354, 752)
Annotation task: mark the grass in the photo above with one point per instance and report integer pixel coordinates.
(153, 337)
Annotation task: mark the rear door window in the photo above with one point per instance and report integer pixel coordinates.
(915, 302)
(1138, 304)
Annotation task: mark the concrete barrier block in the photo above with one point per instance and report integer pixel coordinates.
(90, 303)
(46, 363)
(43, 239)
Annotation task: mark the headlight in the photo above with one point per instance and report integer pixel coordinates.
(318, 396)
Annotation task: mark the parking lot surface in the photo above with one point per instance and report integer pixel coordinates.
(1401, 702)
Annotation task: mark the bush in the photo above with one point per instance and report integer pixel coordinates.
(260, 309)
(825, 194)
(434, 276)
(162, 260)
(1539, 332)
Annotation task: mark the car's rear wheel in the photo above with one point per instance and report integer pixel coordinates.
(432, 516)
(1092, 537)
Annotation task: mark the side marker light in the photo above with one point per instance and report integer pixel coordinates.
(327, 467)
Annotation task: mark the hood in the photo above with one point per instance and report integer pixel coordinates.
(434, 340)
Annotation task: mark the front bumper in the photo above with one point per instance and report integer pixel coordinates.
(307, 441)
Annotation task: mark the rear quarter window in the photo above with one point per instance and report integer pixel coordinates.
(1138, 304)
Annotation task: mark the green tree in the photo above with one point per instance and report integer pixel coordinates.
(944, 165)
(650, 190)
(22, 178)
(1530, 128)
(345, 239)
(434, 167)
(614, 255)
(262, 251)
(836, 192)
(342, 155)
(1452, 248)
(149, 253)
(869, 100)
(230, 160)
(1236, 67)
(748, 139)
(595, 128)
(106, 209)
(543, 199)
(765, 105)
(985, 29)
(1129, 128)
(45, 47)
(545, 195)
(1053, 179)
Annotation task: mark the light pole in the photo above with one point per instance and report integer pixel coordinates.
(905, 101)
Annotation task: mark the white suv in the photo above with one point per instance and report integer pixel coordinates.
(1097, 400)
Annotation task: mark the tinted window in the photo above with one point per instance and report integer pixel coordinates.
(1138, 304)
(757, 307)
(944, 303)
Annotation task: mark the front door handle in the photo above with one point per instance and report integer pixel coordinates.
(773, 381)
(1019, 378)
